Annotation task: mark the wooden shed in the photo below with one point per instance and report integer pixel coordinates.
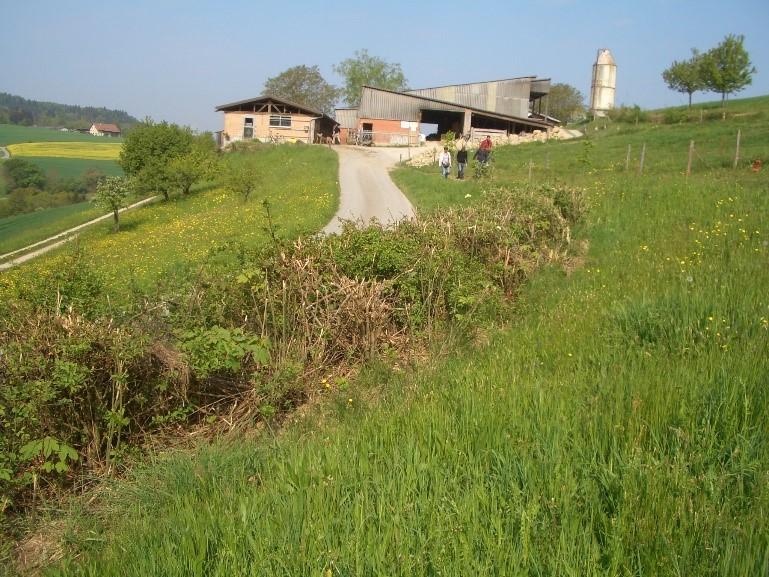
(271, 119)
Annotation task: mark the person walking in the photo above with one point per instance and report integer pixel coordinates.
(444, 161)
(461, 157)
(484, 150)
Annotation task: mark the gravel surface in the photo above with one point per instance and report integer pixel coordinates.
(367, 192)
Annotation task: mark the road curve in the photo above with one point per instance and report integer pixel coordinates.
(367, 192)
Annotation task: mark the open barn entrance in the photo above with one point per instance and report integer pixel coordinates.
(443, 120)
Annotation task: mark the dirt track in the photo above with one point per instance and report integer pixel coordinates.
(367, 192)
(62, 237)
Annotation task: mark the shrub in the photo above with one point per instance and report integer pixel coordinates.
(82, 378)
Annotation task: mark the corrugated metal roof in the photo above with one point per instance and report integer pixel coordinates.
(509, 97)
(388, 105)
(347, 117)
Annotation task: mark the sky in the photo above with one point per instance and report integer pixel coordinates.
(177, 60)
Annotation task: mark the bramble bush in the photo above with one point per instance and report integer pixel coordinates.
(83, 378)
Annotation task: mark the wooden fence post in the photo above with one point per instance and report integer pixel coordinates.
(691, 154)
(627, 159)
(737, 151)
(530, 165)
(643, 157)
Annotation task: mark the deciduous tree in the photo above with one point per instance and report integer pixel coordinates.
(241, 178)
(111, 194)
(686, 76)
(303, 85)
(22, 173)
(565, 102)
(364, 69)
(727, 67)
(148, 152)
(195, 165)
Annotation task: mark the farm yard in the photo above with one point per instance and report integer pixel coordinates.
(606, 416)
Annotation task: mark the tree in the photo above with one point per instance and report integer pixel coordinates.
(147, 153)
(111, 194)
(242, 178)
(727, 67)
(22, 173)
(686, 76)
(303, 85)
(194, 166)
(365, 69)
(565, 102)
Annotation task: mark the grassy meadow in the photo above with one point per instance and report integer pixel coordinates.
(618, 426)
(25, 229)
(299, 184)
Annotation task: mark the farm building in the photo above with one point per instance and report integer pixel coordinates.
(98, 129)
(272, 119)
(500, 107)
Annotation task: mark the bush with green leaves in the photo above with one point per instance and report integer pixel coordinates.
(84, 380)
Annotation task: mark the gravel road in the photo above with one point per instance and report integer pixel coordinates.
(367, 192)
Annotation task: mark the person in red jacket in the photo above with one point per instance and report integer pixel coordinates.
(484, 150)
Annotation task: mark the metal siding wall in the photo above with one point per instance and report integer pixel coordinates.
(386, 105)
(347, 118)
(510, 97)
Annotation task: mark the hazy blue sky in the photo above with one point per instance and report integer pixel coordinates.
(177, 60)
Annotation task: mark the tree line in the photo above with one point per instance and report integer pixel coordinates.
(724, 69)
(17, 110)
(30, 189)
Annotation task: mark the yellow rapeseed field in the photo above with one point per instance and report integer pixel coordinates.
(87, 150)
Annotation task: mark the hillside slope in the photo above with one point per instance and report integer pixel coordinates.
(617, 427)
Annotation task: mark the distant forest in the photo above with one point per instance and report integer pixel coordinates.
(18, 110)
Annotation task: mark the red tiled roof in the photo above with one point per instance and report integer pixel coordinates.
(107, 127)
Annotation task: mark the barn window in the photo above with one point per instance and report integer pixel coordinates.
(248, 128)
(280, 121)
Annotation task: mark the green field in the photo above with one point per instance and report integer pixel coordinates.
(12, 134)
(618, 426)
(75, 167)
(24, 229)
(299, 183)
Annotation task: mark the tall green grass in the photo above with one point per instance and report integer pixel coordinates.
(24, 229)
(74, 167)
(619, 427)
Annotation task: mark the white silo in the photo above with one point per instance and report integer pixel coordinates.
(604, 83)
